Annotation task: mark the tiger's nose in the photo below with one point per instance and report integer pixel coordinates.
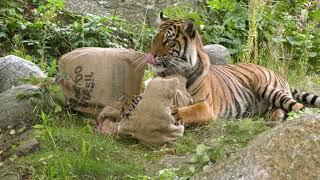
(151, 59)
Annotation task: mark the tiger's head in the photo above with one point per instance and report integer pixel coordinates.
(175, 46)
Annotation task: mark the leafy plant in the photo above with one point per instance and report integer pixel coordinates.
(226, 25)
(167, 174)
(236, 135)
(41, 31)
(294, 115)
(200, 158)
(281, 35)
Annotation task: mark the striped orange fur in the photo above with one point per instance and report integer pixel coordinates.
(235, 90)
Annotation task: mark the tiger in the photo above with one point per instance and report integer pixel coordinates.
(230, 91)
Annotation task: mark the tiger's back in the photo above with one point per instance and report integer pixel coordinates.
(240, 90)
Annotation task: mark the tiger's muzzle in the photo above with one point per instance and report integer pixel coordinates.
(150, 59)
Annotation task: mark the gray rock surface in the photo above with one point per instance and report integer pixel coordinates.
(27, 147)
(13, 69)
(217, 53)
(86, 6)
(289, 151)
(7, 141)
(15, 110)
(138, 10)
(10, 177)
(168, 162)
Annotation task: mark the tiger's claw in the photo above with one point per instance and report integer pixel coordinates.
(176, 115)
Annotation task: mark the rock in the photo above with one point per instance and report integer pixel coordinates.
(13, 69)
(218, 54)
(27, 147)
(12, 132)
(14, 110)
(168, 162)
(289, 151)
(10, 177)
(86, 6)
(138, 10)
(8, 141)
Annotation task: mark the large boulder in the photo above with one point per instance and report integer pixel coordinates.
(13, 69)
(138, 11)
(289, 151)
(16, 106)
(217, 53)
(19, 105)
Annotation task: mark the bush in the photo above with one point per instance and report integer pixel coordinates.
(41, 31)
(278, 34)
(282, 35)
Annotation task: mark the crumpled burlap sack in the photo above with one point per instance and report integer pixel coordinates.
(92, 78)
(151, 122)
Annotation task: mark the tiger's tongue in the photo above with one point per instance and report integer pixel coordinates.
(150, 59)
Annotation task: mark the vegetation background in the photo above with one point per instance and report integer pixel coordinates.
(282, 35)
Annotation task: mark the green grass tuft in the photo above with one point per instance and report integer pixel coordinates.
(77, 152)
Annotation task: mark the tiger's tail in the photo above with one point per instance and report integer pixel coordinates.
(306, 98)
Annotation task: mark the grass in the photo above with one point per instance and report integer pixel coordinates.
(81, 153)
(78, 152)
(70, 148)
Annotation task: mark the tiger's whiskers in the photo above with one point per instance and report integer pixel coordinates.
(140, 63)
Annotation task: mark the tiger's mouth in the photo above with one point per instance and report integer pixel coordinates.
(168, 64)
(172, 66)
(159, 67)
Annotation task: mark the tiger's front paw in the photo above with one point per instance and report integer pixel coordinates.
(176, 114)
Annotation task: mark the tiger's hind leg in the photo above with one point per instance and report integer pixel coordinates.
(280, 99)
(276, 116)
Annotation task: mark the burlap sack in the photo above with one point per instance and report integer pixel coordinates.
(182, 97)
(151, 122)
(92, 78)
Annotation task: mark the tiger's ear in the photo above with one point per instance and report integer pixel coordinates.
(190, 28)
(162, 17)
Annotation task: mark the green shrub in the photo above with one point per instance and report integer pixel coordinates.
(282, 35)
(42, 31)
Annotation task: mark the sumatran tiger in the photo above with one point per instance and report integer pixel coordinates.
(234, 90)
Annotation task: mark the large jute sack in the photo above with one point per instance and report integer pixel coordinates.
(92, 78)
(151, 121)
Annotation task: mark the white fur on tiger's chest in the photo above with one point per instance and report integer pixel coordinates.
(193, 55)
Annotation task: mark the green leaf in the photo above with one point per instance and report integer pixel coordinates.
(312, 54)
(194, 159)
(3, 35)
(57, 108)
(43, 117)
(205, 158)
(39, 126)
(201, 149)
(192, 169)
(215, 4)
(294, 40)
